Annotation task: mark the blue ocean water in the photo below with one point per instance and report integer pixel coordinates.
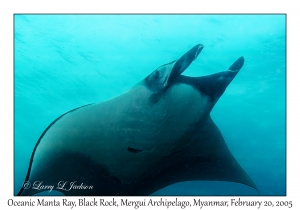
(66, 61)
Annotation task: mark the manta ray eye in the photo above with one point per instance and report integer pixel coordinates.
(156, 74)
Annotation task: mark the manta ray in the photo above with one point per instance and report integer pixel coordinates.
(158, 133)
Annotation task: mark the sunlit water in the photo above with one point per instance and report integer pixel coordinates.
(66, 61)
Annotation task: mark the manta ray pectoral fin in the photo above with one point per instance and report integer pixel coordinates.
(212, 159)
(205, 158)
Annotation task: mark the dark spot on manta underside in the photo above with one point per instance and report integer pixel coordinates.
(133, 150)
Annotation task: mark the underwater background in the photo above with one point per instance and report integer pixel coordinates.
(65, 61)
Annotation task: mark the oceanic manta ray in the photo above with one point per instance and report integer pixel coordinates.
(158, 133)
